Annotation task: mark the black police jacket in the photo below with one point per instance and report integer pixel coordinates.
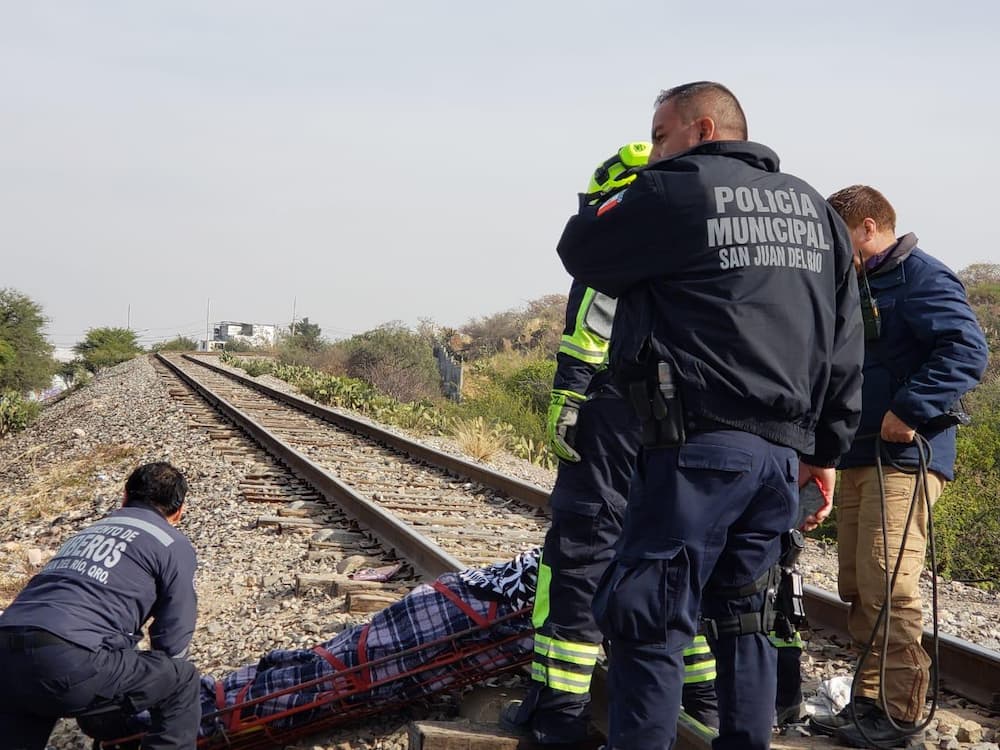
(741, 277)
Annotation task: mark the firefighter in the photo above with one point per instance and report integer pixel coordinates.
(67, 642)
(595, 434)
(737, 340)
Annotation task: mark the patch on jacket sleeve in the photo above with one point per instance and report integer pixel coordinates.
(612, 202)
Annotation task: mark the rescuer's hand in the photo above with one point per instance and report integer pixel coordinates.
(826, 478)
(564, 408)
(618, 170)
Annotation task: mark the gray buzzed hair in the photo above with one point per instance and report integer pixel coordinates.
(708, 98)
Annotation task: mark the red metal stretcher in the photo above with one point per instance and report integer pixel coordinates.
(459, 665)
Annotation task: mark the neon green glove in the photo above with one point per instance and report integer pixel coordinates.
(564, 408)
(618, 171)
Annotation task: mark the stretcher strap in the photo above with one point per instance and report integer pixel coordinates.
(463, 605)
(220, 695)
(338, 666)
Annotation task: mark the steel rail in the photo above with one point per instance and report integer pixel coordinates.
(965, 669)
(516, 488)
(426, 556)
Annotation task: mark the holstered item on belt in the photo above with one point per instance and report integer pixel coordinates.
(790, 605)
(657, 403)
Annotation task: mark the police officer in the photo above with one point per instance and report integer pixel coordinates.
(738, 341)
(595, 434)
(67, 642)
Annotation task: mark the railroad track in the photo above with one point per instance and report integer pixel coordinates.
(443, 513)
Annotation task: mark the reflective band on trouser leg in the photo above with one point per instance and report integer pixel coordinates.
(794, 642)
(699, 664)
(564, 665)
(540, 612)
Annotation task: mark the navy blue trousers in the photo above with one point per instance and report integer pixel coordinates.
(705, 515)
(42, 683)
(588, 504)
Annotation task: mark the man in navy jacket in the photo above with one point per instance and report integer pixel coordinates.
(923, 350)
(738, 341)
(67, 642)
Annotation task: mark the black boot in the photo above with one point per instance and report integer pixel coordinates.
(877, 728)
(829, 724)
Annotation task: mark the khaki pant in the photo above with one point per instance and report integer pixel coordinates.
(862, 581)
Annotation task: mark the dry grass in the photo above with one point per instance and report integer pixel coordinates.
(479, 439)
(15, 572)
(57, 486)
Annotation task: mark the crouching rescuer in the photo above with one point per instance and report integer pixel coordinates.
(67, 642)
(595, 434)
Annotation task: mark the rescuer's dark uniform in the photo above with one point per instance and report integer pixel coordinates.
(67, 642)
(737, 339)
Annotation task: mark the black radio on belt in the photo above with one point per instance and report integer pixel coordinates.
(789, 606)
(657, 402)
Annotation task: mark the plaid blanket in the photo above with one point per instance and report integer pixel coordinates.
(427, 614)
(409, 649)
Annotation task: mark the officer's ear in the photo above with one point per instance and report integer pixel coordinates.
(175, 518)
(870, 228)
(706, 129)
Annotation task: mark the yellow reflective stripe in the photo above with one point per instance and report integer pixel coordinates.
(540, 612)
(702, 672)
(592, 356)
(580, 647)
(584, 654)
(583, 343)
(695, 650)
(558, 679)
(794, 642)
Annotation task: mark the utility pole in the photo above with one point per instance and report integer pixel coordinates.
(128, 318)
(208, 322)
(292, 327)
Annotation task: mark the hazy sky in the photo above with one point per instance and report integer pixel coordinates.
(374, 161)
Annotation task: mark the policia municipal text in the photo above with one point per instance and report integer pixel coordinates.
(737, 367)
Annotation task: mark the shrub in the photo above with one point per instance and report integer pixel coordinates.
(16, 412)
(538, 325)
(969, 508)
(394, 360)
(25, 356)
(480, 439)
(177, 344)
(534, 381)
(497, 404)
(106, 347)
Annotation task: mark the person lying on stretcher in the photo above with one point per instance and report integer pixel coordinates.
(389, 643)
(402, 654)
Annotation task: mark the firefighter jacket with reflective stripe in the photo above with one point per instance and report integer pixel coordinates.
(583, 349)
